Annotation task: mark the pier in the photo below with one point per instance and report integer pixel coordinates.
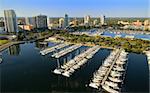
(65, 51)
(74, 64)
(54, 48)
(111, 73)
(115, 59)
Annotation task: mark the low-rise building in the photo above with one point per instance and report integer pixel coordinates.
(26, 27)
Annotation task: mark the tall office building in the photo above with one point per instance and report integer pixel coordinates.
(61, 22)
(75, 22)
(2, 26)
(10, 21)
(102, 20)
(95, 22)
(41, 21)
(21, 21)
(66, 21)
(87, 20)
(28, 20)
(31, 21)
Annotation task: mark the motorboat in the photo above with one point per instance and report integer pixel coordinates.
(117, 68)
(115, 74)
(57, 71)
(120, 62)
(94, 85)
(109, 89)
(112, 84)
(115, 79)
(66, 74)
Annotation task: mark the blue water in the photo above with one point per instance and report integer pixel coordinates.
(24, 70)
(138, 36)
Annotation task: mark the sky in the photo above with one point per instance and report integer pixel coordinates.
(78, 8)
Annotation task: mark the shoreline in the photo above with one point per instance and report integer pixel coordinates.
(3, 47)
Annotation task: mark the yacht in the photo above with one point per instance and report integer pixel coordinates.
(120, 62)
(94, 85)
(115, 79)
(109, 89)
(66, 74)
(115, 74)
(57, 71)
(117, 68)
(112, 84)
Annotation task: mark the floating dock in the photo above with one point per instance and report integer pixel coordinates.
(65, 51)
(54, 48)
(74, 64)
(111, 73)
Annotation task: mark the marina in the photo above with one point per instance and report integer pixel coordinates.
(74, 64)
(37, 73)
(115, 34)
(108, 75)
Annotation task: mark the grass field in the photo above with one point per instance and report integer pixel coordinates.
(3, 42)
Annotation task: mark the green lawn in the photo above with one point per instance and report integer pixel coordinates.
(3, 42)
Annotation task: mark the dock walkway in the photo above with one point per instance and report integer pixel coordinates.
(109, 70)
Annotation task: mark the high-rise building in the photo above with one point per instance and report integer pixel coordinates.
(61, 22)
(95, 22)
(10, 21)
(2, 26)
(31, 21)
(41, 21)
(87, 20)
(21, 21)
(28, 20)
(146, 22)
(66, 21)
(147, 25)
(74, 22)
(102, 20)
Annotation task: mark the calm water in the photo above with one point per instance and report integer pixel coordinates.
(138, 36)
(25, 70)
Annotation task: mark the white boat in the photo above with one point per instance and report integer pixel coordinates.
(112, 84)
(57, 71)
(115, 74)
(93, 85)
(66, 74)
(108, 89)
(115, 79)
(106, 64)
(123, 59)
(120, 62)
(97, 79)
(118, 68)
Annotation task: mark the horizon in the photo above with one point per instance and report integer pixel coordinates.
(77, 8)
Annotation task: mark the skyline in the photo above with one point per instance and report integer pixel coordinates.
(77, 8)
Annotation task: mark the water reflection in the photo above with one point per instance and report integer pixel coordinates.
(14, 50)
(41, 45)
(35, 75)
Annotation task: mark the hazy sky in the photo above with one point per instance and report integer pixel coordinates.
(52, 8)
